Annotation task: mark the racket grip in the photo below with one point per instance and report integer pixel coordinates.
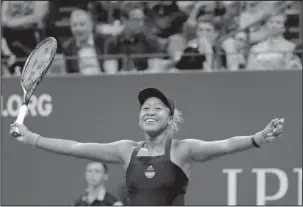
(20, 119)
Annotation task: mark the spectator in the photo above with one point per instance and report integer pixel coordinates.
(202, 9)
(106, 16)
(105, 11)
(203, 49)
(82, 50)
(253, 12)
(241, 48)
(8, 59)
(22, 22)
(4, 70)
(275, 52)
(50, 24)
(236, 49)
(164, 18)
(133, 40)
(96, 175)
(175, 46)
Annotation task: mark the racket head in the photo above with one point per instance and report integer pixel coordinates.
(36, 66)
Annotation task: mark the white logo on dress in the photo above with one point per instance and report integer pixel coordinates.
(150, 172)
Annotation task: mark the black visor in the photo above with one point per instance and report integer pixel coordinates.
(153, 92)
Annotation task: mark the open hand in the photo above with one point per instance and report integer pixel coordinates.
(273, 129)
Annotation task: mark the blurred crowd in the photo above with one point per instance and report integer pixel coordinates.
(112, 37)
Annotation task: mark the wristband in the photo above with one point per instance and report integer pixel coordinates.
(253, 141)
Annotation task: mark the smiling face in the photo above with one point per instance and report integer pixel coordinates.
(154, 116)
(81, 25)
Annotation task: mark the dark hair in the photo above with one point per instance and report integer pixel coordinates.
(105, 167)
(153, 92)
(103, 164)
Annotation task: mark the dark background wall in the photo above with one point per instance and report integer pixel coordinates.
(104, 109)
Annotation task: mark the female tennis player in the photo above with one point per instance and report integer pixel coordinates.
(157, 168)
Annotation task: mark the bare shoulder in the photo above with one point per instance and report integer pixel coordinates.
(182, 151)
(182, 145)
(126, 148)
(176, 143)
(190, 150)
(126, 145)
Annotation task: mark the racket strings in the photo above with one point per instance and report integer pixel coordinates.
(37, 64)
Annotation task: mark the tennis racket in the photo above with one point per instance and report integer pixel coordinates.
(34, 69)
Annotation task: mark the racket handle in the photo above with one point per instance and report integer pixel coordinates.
(20, 119)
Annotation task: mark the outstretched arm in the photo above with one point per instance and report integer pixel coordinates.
(201, 151)
(108, 153)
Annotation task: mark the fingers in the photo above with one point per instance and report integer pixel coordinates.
(276, 131)
(14, 130)
(15, 125)
(273, 122)
(278, 122)
(278, 127)
(270, 139)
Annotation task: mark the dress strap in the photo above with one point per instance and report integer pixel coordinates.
(135, 152)
(168, 147)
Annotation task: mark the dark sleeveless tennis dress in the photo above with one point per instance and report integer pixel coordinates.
(155, 180)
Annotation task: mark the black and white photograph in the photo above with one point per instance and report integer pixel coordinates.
(151, 103)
